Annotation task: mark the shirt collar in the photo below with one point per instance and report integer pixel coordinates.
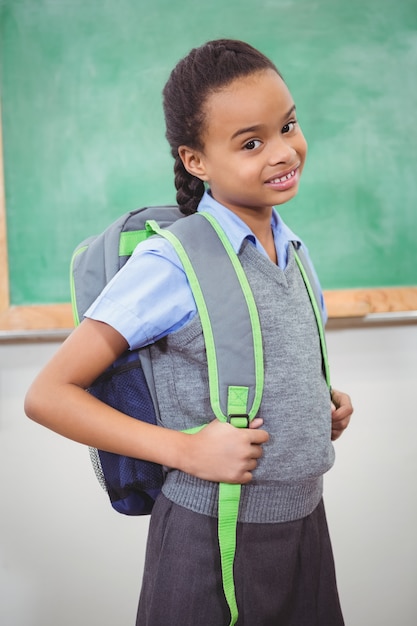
(237, 230)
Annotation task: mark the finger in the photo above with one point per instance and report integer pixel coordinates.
(342, 412)
(246, 478)
(340, 420)
(342, 401)
(338, 428)
(336, 432)
(256, 422)
(340, 425)
(339, 415)
(258, 437)
(256, 451)
(251, 465)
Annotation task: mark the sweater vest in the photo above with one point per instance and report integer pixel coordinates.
(288, 481)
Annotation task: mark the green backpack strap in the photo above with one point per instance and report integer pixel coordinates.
(235, 383)
(219, 285)
(311, 286)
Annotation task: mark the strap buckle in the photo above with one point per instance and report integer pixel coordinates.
(239, 420)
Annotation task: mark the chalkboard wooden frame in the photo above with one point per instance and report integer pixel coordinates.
(346, 303)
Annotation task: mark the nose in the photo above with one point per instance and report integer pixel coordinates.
(281, 150)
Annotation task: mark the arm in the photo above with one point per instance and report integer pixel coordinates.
(57, 399)
(342, 410)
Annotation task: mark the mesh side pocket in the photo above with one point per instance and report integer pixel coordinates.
(98, 470)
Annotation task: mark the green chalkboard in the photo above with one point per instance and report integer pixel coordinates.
(83, 133)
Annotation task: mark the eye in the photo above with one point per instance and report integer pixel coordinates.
(252, 144)
(289, 127)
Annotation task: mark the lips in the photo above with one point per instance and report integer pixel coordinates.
(285, 180)
(284, 177)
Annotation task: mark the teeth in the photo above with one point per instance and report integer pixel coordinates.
(283, 178)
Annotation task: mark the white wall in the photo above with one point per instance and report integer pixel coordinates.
(67, 559)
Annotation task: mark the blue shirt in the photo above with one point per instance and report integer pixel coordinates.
(150, 296)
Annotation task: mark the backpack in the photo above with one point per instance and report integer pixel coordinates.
(234, 350)
(132, 484)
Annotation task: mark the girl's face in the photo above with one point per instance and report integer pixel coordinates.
(254, 150)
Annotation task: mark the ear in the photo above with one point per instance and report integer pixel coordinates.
(193, 162)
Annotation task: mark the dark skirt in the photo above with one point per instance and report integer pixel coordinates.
(284, 573)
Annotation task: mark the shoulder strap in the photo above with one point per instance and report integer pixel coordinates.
(219, 285)
(234, 350)
(315, 298)
(97, 259)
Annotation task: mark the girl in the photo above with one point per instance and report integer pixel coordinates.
(238, 149)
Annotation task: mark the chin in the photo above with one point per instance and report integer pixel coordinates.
(286, 196)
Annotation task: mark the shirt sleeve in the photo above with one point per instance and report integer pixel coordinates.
(148, 298)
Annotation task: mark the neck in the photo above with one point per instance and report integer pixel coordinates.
(259, 221)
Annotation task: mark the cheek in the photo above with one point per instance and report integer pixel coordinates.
(302, 147)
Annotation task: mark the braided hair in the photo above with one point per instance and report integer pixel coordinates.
(202, 72)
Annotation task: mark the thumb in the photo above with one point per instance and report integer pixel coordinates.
(256, 422)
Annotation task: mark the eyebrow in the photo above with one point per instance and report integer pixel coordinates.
(256, 127)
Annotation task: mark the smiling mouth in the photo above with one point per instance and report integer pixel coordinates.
(284, 178)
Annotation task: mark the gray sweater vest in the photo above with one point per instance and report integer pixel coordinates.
(288, 482)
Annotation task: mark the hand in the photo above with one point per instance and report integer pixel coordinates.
(342, 410)
(222, 453)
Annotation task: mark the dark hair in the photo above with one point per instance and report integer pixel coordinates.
(202, 72)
